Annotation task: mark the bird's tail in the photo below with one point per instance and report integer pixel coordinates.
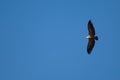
(96, 37)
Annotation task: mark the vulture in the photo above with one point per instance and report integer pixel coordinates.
(91, 37)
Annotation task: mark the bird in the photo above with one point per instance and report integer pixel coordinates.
(91, 37)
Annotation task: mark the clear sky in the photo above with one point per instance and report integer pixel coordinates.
(45, 40)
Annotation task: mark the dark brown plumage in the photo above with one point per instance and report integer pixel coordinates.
(91, 37)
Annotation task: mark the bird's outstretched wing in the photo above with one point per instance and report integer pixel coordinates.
(90, 45)
(91, 28)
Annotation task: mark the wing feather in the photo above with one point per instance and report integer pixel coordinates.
(91, 28)
(90, 46)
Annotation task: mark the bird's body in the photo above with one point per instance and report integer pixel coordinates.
(91, 37)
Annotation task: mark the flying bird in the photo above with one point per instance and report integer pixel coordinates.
(91, 37)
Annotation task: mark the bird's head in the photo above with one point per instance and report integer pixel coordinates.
(88, 37)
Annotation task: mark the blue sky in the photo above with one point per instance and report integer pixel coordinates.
(45, 40)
